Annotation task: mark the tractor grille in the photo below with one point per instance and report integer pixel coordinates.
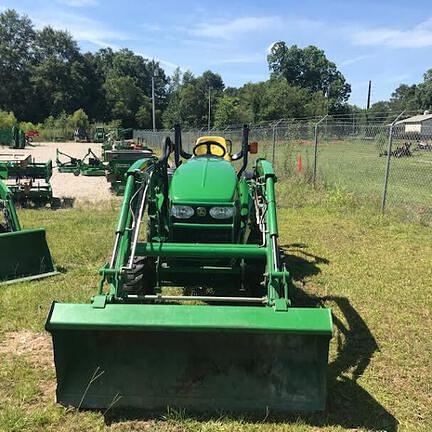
(181, 235)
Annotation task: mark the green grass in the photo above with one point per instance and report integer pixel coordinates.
(374, 272)
(354, 166)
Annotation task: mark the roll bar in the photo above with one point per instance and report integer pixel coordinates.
(178, 148)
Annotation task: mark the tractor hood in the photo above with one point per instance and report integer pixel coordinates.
(204, 180)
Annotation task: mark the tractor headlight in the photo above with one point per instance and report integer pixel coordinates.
(182, 211)
(222, 212)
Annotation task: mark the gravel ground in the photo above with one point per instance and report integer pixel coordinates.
(81, 189)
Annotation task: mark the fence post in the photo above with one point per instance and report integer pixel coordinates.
(275, 125)
(316, 150)
(387, 171)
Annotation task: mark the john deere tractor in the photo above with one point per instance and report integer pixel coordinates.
(193, 310)
(24, 254)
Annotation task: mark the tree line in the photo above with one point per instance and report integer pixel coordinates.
(45, 77)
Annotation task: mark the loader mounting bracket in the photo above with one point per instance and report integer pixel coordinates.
(99, 301)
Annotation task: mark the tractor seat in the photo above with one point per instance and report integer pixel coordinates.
(215, 150)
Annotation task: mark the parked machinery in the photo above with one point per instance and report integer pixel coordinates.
(29, 181)
(24, 253)
(193, 310)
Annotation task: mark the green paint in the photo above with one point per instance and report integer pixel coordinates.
(204, 180)
(192, 357)
(202, 357)
(24, 254)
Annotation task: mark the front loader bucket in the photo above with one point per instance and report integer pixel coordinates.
(198, 358)
(24, 255)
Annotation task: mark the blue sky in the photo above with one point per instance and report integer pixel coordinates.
(389, 42)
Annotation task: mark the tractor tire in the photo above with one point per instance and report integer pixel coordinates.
(141, 280)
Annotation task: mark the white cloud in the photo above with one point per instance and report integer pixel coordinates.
(82, 28)
(353, 60)
(417, 37)
(235, 28)
(78, 3)
(242, 59)
(269, 48)
(166, 63)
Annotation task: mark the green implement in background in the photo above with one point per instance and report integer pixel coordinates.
(24, 254)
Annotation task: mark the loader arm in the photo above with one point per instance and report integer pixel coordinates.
(8, 209)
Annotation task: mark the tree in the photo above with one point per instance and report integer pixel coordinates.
(424, 92)
(188, 101)
(16, 41)
(59, 74)
(227, 112)
(143, 116)
(123, 97)
(404, 98)
(283, 100)
(7, 120)
(309, 68)
(79, 119)
(379, 112)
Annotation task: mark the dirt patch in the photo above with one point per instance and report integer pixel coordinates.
(34, 346)
(81, 188)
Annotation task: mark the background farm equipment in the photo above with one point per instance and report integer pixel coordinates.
(120, 139)
(14, 137)
(71, 165)
(80, 135)
(18, 140)
(28, 181)
(232, 341)
(99, 135)
(91, 165)
(31, 135)
(401, 151)
(24, 254)
(118, 163)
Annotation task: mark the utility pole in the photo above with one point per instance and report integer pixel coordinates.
(154, 75)
(369, 94)
(209, 108)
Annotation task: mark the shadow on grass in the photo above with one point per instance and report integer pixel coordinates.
(62, 203)
(348, 405)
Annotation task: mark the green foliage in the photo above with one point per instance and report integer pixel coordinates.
(7, 120)
(189, 98)
(424, 91)
(143, 116)
(227, 112)
(79, 119)
(16, 40)
(28, 126)
(310, 69)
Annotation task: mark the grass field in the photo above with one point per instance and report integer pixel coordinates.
(375, 273)
(355, 166)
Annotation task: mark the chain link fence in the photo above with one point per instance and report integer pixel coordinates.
(385, 163)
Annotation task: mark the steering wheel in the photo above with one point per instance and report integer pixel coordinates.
(208, 145)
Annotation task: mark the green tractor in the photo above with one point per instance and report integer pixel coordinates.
(99, 134)
(24, 254)
(193, 310)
